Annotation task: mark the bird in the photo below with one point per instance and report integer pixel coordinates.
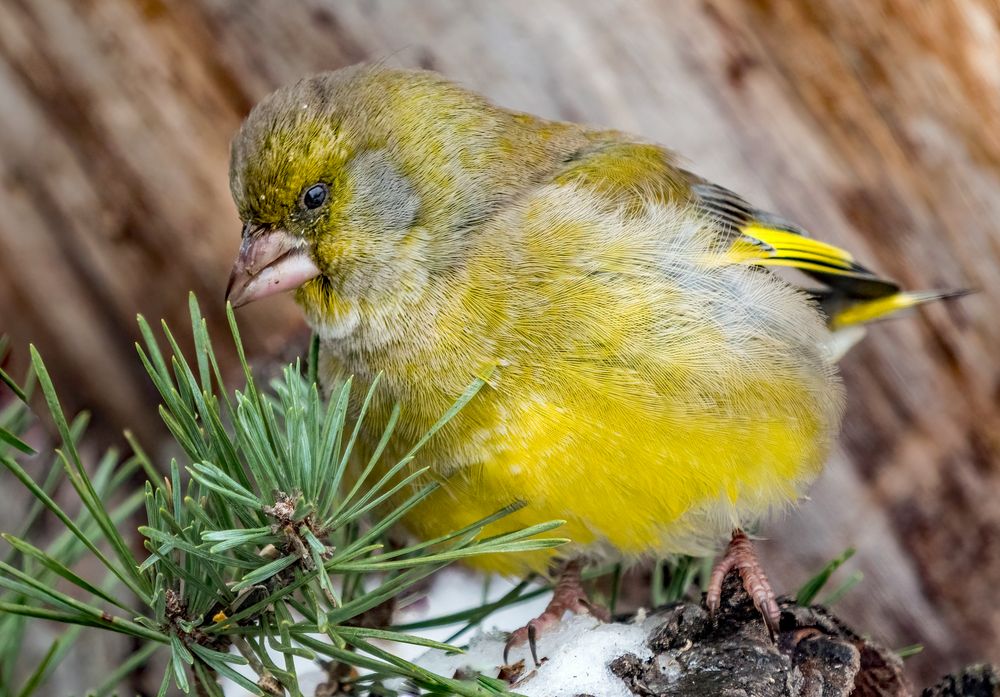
(658, 355)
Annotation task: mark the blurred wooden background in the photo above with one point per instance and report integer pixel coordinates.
(876, 123)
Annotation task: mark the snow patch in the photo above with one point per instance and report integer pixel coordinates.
(576, 657)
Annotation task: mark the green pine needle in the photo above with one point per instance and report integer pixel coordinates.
(811, 588)
(908, 651)
(15, 442)
(843, 589)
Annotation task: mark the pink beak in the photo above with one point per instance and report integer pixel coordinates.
(269, 262)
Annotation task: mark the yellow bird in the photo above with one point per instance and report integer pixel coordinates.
(652, 380)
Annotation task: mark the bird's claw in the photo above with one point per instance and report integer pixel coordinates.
(568, 596)
(528, 634)
(740, 555)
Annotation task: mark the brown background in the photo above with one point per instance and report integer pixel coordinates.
(875, 123)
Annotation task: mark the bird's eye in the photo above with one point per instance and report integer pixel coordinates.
(314, 196)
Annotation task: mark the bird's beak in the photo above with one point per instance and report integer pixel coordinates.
(269, 262)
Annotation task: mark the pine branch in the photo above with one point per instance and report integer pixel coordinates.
(255, 539)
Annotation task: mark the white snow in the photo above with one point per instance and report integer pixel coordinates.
(575, 657)
(576, 652)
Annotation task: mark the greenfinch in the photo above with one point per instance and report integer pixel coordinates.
(652, 379)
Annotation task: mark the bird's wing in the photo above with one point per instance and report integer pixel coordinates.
(765, 239)
(631, 174)
(853, 295)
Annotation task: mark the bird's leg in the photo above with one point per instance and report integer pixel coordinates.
(740, 555)
(568, 596)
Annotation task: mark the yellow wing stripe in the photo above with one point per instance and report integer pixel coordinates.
(773, 244)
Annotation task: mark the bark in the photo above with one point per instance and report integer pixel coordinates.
(876, 123)
(814, 654)
(977, 681)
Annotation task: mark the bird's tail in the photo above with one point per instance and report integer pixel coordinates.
(847, 317)
(856, 312)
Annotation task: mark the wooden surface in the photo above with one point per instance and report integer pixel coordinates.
(874, 123)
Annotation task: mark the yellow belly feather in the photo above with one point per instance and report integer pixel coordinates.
(631, 486)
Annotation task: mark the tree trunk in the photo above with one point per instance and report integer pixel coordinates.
(875, 123)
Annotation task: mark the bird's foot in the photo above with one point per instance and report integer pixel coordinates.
(568, 596)
(740, 555)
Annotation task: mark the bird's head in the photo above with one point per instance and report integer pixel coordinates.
(355, 184)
